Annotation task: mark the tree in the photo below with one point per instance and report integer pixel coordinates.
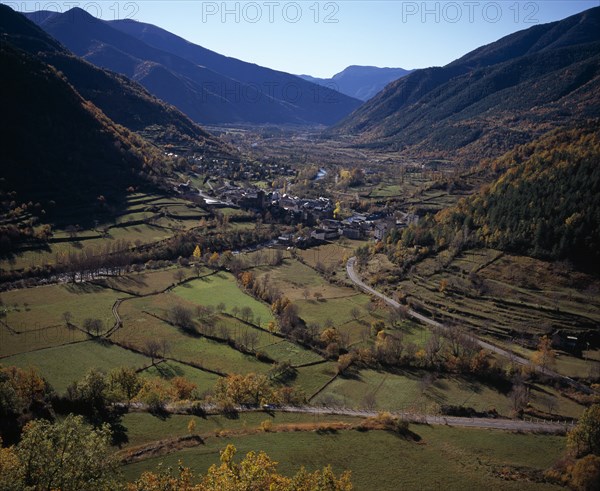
(246, 314)
(344, 362)
(584, 439)
(156, 348)
(67, 316)
(519, 397)
(184, 389)
(197, 254)
(92, 326)
(355, 313)
(124, 383)
(338, 210)
(10, 469)
(330, 335)
(179, 276)
(182, 316)
(191, 427)
(585, 475)
(243, 389)
(255, 472)
(68, 455)
(213, 261)
(545, 355)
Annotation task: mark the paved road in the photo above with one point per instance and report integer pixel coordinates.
(355, 278)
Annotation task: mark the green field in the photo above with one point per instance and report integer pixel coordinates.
(147, 282)
(204, 381)
(65, 364)
(452, 458)
(417, 391)
(283, 350)
(162, 216)
(221, 288)
(37, 314)
(143, 428)
(139, 327)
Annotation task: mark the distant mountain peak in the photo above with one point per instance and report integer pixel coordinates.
(360, 81)
(495, 97)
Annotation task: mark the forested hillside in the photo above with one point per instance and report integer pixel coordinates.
(58, 149)
(496, 97)
(545, 203)
(121, 99)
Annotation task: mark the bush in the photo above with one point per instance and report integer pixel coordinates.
(586, 474)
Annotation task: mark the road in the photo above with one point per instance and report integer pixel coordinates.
(412, 417)
(488, 423)
(355, 278)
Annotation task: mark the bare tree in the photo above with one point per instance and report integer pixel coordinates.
(182, 317)
(179, 275)
(93, 326)
(246, 314)
(152, 349)
(519, 397)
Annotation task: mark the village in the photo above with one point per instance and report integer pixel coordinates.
(316, 219)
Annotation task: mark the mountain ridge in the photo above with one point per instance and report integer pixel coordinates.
(466, 108)
(122, 100)
(205, 95)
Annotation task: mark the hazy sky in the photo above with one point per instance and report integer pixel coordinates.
(321, 38)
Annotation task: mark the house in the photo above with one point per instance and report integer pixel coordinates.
(352, 233)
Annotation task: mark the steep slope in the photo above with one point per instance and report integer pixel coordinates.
(546, 202)
(497, 96)
(58, 147)
(212, 90)
(122, 100)
(361, 82)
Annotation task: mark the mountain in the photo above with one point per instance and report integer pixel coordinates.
(544, 203)
(491, 99)
(208, 87)
(360, 82)
(59, 149)
(122, 100)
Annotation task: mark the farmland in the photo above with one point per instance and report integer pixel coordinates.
(458, 458)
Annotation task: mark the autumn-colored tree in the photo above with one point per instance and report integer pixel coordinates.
(443, 288)
(213, 260)
(585, 475)
(11, 475)
(344, 363)
(191, 427)
(330, 335)
(243, 389)
(255, 472)
(197, 254)
(69, 455)
(184, 389)
(247, 279)
(337, 212)
(28, 384)
(584, 439)
(545, 356)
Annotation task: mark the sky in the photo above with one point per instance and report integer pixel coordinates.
(321, 38)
